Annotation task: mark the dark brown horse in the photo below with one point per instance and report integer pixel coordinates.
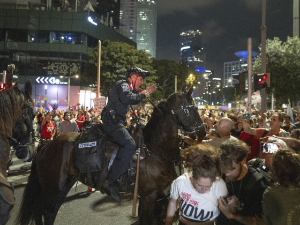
(16, 115)
(53, 172)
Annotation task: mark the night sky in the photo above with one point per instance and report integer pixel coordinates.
(225, 24)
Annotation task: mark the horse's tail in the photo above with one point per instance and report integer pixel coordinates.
(31, 193)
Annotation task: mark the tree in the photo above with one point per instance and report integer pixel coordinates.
(283, 63)
(116, 58)
(166, 72)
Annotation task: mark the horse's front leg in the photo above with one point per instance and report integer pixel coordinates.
(151, 207)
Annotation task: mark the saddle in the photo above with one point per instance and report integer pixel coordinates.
(95, 153)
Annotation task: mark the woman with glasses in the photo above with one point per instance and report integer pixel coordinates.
(198, 189)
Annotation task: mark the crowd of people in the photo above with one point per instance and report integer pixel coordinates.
(221, 185)
(51, 124)
(259, 177)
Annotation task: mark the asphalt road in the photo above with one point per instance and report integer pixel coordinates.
(79, 207)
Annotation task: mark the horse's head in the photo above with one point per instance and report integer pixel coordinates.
(23, 129)
(182, 106)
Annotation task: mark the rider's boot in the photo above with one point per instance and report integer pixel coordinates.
(111, 190)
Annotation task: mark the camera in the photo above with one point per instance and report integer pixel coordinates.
(269, 147)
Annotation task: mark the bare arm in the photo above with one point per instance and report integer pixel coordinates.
(248, 129)
(170, 211)
(291, 142)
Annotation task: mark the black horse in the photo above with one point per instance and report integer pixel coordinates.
(16, 116)
(53, 171)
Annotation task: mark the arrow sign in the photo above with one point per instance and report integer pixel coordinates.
(42, 80)
(46, 79)
(38, 80)
(52, 80)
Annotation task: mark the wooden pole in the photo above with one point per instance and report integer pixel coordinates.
(249, 74)
(136, 185)
(98, 69)
(263, 55)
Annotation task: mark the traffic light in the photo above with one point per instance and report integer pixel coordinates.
(241, 77)
(261, 81)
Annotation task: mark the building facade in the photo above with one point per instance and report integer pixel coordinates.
(128, 18)
(191, 48)
(47, 46)
(146, 26)
(236, 67)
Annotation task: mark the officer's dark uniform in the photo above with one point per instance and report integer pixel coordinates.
(114, 120)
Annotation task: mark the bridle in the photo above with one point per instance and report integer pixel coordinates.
(8, 185)
(186, 110)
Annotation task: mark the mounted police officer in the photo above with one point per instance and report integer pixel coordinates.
(123, 93)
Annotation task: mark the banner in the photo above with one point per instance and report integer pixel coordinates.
(255, 97)
(99, 103)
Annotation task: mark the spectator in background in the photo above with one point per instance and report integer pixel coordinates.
(266, 123)
(67, 125)
(288, 126)
(80, 119)
(281, 201)
(251, 141)
(275, 124)
(87, 120)
(260, 123)
(295, 134)
(47, 127)
(297, 123)
(97, 120)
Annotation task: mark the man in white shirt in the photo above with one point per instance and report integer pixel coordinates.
(67, 126)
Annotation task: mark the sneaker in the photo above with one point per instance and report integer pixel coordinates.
(111, 190)
(89, 190)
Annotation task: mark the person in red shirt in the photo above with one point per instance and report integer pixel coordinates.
(251, 141)
(80, 119)
(275, 124)
(47, 127)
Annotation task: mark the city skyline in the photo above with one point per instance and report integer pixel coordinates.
(225, 27)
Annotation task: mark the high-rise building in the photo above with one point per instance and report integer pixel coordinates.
(191, 48)
(128, 18)
(48, 44)
(146, 26)
(236, 67)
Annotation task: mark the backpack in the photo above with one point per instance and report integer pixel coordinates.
(259, 174)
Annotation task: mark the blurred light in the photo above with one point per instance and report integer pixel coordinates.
(46, 87)
(91, 21)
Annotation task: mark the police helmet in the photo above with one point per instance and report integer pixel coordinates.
(135, 70)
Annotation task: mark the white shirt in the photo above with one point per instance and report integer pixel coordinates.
(195, 206)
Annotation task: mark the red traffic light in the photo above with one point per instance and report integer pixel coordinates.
(3, 86)
(265, 76)
(262, 78)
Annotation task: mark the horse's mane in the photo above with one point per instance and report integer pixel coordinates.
(11, 103)
(157, 117)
